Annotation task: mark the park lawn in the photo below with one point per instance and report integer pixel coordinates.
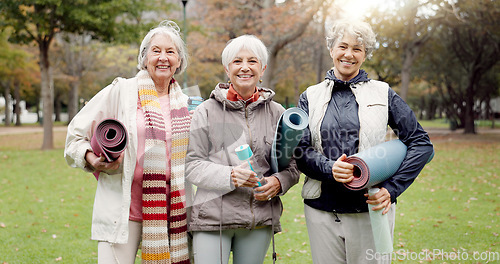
(453, 206)
(45, 209)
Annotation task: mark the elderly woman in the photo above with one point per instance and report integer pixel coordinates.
(231, 211)
(140, 196)
(348, 112)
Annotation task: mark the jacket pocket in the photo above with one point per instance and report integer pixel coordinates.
(376, 104)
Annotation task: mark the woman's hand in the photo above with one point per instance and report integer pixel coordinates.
(268, 190)
(242, 176)
(100, 163)
(381, 200)
(343, 172)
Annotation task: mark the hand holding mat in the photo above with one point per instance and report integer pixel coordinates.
(288, 134)
(109, 139)
(377, 164)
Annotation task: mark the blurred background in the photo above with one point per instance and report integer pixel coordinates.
(441, 56)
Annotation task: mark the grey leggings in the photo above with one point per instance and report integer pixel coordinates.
(248, 246)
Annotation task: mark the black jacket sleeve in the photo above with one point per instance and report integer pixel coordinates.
(404, 123)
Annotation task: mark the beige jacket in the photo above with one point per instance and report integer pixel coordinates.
(217, 128)
(112, 198)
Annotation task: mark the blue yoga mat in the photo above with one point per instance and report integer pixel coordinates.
(377, 164)
(288, 134)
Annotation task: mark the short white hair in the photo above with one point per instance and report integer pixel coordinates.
(359, 29)
(248, 42)
(171, 30)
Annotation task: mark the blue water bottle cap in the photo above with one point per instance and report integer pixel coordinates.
(244, 152)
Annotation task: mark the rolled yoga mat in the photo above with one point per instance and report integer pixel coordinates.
(109, 140)
(380, 227)
(288, 134)
(377, 164)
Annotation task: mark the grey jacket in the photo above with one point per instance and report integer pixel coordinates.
(217, 128)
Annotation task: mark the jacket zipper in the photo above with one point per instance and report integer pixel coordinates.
(248, 126)
(252, 225)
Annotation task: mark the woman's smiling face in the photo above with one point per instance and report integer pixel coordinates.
(245, 71)
(162, 59)
(348, 55)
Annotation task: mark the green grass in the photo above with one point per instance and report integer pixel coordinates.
(445, 123)
(45, 209)
(454, 206)
(437, 123)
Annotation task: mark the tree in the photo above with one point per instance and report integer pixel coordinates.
(476, 44)
(38, 21)
(462, 54)
(13, 73)
(406, 30)
(276, 24)
(287, 30)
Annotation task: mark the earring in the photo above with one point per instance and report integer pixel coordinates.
(260, 80)
(229, 81)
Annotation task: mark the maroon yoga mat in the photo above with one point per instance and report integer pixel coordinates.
(109, 140)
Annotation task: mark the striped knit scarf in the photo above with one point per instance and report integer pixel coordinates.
(164, 234)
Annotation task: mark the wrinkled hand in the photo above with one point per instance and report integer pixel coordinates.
(100, 163)
(268, 190)
(242, 176)
(381, 200)
(343, 172)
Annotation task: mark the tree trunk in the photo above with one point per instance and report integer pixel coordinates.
(73, 99)
(469, 127)
(57, 107)
(296, 91)
(17, 98)
(269, 73)
(6, 95)
(281, 41)
(320, 50)
(422, 108)
(410, 53)
(47, 97)
(405, 77)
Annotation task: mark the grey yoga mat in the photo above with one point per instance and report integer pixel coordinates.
(377, 164)
(288, 134)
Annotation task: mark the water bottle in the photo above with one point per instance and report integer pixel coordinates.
(380, 227)
(244, 153)
(194, 101)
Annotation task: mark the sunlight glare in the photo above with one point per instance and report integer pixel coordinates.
(359, 9)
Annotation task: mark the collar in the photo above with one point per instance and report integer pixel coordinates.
(361, 77)
(232, 95)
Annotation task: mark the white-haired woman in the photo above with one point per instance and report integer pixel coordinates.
(348, 112)
(230, 212)
(140, 197)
